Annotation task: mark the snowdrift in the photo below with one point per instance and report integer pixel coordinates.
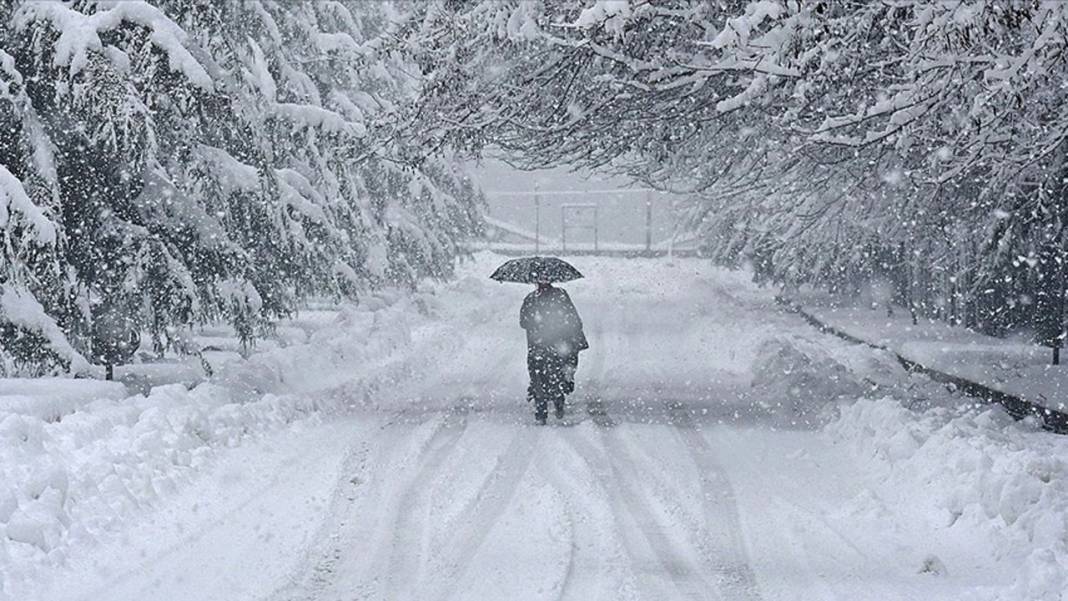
(799, 379)
(972, 470)
(78, 457)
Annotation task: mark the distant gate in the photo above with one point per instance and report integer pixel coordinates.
(582, 225)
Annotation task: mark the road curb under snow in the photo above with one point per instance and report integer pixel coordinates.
(1019, 408)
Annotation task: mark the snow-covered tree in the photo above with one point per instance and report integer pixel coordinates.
(188, 161)
(35, 285)
(832, 141)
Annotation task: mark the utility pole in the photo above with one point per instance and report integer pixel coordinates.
(563, 228)
(596, 224)
(648, 221)
(537, 220)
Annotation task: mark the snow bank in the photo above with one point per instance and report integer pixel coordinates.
(972, 471)
(78, 458)
(50, 398)
(356, 344)
(792, 374)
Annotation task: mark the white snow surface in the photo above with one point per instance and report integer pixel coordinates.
(1016, 366)
(716, 448)
(51, 398)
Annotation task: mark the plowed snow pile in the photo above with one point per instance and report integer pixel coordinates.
(972, 471)
(75, 467)
(798, 378)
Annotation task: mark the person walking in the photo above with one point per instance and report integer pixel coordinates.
(554, 340)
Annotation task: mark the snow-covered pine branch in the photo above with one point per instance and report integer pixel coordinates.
(184, 152)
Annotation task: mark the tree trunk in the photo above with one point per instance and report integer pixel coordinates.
(1049, 310)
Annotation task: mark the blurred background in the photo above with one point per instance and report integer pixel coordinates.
(518, 197)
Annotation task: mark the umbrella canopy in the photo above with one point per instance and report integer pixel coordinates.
(530, 270)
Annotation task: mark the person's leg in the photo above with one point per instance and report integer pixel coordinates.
(538, 370)
(557, 383)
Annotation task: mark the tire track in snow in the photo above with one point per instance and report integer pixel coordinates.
(663, 574)
(717, 535)
(494, 496)
(725, 548)
(411, 558)
(717, 565)
(567, 583)
(366, 526)
(320, 568)
(637, 524)
(404, 569)
(592, 555)
(375, 540)
(320, 561)
(718, 555)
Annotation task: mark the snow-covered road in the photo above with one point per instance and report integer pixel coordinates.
(693, 464)
(460, 496)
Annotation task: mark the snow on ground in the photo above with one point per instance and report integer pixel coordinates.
(983, 477)
(716, 448)
(1020, 368)
(50, 398)
(77, 463)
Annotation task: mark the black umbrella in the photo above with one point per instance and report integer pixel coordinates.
(529, 270)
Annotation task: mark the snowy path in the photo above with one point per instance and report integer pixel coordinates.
(577, 513)
(666, 481)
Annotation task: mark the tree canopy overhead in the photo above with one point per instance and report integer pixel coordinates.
(823, 140)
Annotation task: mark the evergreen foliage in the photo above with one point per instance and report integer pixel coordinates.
(186, 161)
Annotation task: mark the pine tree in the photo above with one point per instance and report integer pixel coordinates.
(204, 161)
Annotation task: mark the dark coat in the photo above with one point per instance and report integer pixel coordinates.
(551, 322)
